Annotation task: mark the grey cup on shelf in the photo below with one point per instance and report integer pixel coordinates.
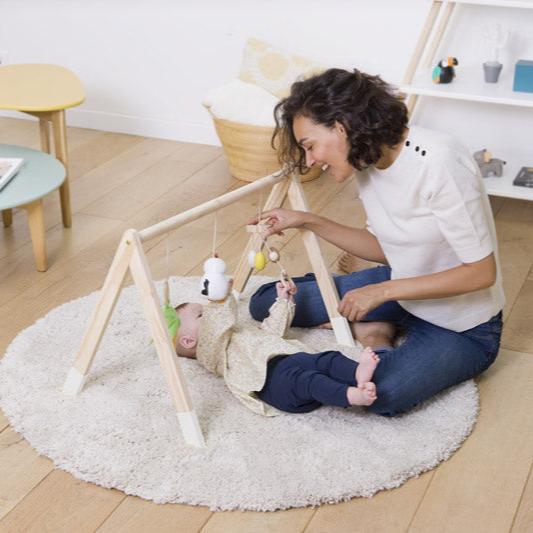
(491, 70)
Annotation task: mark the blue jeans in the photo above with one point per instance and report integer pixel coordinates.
(430, 359)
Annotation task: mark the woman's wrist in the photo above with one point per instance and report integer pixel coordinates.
(388, 290)
(309, 220)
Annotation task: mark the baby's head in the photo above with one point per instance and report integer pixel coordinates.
(190, 315)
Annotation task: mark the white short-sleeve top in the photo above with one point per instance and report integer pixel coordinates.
(430, 212)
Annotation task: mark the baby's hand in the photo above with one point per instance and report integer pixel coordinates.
(286, 289)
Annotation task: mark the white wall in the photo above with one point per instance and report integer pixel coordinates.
(146, 65)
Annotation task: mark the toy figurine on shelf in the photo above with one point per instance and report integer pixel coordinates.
(488, 165)
(444, 71)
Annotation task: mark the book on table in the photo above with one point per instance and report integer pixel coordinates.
(9, 166)
(524, 178)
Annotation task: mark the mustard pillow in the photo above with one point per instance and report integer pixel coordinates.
(273, 69)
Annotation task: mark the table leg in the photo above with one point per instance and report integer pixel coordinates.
(36, 223)
(7, 217)
(60, 141)
(44, 127)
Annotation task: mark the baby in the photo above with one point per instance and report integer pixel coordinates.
(266, 371)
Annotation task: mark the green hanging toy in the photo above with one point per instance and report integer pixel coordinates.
(171, 316)
(169, 313)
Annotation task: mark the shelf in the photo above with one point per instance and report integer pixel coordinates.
(504, 186)
(470, 89)
(521, 4)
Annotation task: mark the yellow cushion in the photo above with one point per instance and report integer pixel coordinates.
(273, 69)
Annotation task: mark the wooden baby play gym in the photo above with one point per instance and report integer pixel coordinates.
(130, 254)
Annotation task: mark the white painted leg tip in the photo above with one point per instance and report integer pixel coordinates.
(74, 382)
(190, 427)
(236, 294)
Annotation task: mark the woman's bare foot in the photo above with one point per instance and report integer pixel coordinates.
(365, 369)
(374, 334)
(347, 263)
(362, 396)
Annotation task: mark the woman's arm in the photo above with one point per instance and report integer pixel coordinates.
(359, 242)
(468, 277)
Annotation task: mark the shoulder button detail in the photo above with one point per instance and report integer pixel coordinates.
(417, 148)
(423, 152)
(407, 143)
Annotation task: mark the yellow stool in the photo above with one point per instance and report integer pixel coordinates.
(44, 91)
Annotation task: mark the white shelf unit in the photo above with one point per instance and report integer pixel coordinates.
(417, 82)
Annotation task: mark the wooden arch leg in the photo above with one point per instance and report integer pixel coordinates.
(340, 325)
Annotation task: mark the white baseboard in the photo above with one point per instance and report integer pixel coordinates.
(146, 127)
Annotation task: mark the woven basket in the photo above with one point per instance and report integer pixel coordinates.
(248, 151)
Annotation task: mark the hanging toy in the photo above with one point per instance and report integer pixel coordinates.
(172, 319)
(273, 255)
(256, 260)
(169, 313)
(214, 284)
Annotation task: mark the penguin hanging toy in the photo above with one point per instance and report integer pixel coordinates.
(444, 71)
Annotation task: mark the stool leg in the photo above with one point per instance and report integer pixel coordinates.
(7, 217)
(60, 141)
(44, 127)
(36, 223)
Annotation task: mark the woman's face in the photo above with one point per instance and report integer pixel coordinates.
(324, 146)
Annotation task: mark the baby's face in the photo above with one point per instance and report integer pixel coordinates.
(190, 317)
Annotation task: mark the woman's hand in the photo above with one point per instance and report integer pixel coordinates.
(279, 219)
(357, 303)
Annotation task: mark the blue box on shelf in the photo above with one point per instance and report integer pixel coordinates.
(523, 76)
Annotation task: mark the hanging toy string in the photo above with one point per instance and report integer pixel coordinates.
(215, 228)
(166, 288)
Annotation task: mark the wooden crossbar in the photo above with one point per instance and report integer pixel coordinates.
(208, 207)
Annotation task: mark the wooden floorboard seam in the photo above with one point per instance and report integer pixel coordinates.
(517, 510)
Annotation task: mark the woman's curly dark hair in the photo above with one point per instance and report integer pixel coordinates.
(372, 113)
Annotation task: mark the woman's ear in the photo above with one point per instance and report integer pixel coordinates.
(187, 341)
(341, 130)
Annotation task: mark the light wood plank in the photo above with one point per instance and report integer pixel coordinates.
(22, 469)
(135, 515)
(290, 521)
(3, 421)
(17, 272)
(517, 334)
(98, 151)
(386, 512)
(515, 241)
(479, 488)
(523, 522)
(62, 503)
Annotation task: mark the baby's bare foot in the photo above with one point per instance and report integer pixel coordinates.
(368, 361)
(366, 395)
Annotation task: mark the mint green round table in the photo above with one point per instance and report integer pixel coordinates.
(39, 175)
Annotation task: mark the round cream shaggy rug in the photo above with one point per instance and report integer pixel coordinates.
(121, 431)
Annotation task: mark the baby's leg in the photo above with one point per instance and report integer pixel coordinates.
(374, 334)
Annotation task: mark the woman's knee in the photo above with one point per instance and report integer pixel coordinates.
(261, 301)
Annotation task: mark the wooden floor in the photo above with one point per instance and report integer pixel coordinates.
(120, 181)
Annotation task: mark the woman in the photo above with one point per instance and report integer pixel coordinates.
(429, 224)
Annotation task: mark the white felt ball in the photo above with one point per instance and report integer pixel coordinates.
(273, 255)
